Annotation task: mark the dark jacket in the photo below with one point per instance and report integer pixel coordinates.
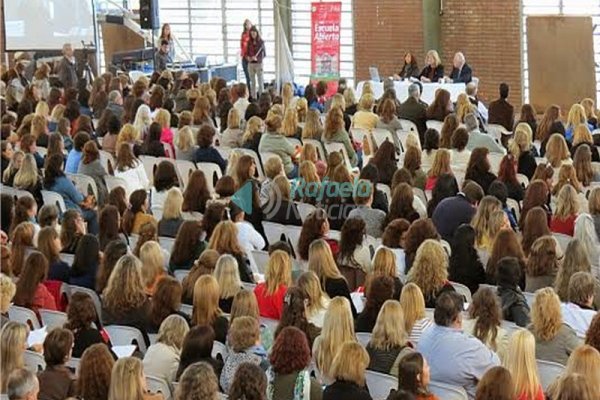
(256, 49)
(67, 73)
(211, 155)
(501, 112)
(169, 227)
(469, 272)
(527, 164)
(514, 305)
(56, 383)
(85, 338)
(87, 280)
(383, 360)
(339, 287)
(137, 318)
(431, 299)
(347, 391)
(59, 271)
(515, 191)
(409, 71)
(450, 213)
(464, 75)
(556, 127)
(380, 202)
(252, 144)
(483, 179)
(433, 74)
(414, 111)
(154, 149)
(286, 213)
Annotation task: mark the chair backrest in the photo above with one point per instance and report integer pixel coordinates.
(92, 294)
(524, 180)
(259, 260)
(184, 169)
(339, 147)
(158, 385)
(408, 125)
(187, 309)
(381, 135)
(319, 146)
(380, 384)
(166, 243)
(265, 155)
(85, 184)
(121, 335)
(496, 131)
(433, 124)
(212, 172)
(448, 392)
(549, 371)
(563, 240)
(15, 193)
(514, 207)
(108, 161)
(73, 363)
(529, 297)
(386, 190)
(115, 181)
(219, 349)
(363, 338)
(54, 198)
(304, 209)
(463, 290)
(273, 231)
(249, 286)
(420, 193)
(34, 361)
(24, 316)
(180, 274)
(292, 234)
(53, 319)
(149, 164)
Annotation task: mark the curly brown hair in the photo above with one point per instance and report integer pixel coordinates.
(312, 229)
(592, 337)
(486, 308)
(542, 257)
(81, 312)
(393, 235)
(249, 383)
(290, 352)
(94, 372)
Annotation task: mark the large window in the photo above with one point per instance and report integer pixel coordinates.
(561, 7)
(301, 41)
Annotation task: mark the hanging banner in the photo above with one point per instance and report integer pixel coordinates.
(325, 44)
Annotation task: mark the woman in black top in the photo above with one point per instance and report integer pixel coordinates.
(381, 289)
(410, 69)
(465, 266)
(478, 168)
(434, 70)
(348, 370)
(385, 161)
(152, 145)
(508, 176)
(165, 301)
(371, 173)
(280, 209)
(81, 313)
(197, 346)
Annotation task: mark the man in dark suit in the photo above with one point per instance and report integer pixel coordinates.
(461, 72)
(413, 109)
(501, 112)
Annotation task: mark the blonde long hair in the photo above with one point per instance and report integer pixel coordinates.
(313, 127)
(585, 360)
(127, 380)
(557, 150)
(321, 262)
(430, 268)
(338, 328)
(413, 305)
(153, 262)
(227, 275)
(575, 260)
(173, 204)
(206, 301)
(184, 140)
(350, 363)
(224, 239)
(481, 221)
(546, 316)
(125, 291)
(290, 122)
(522, 140)
(309, 283)
(576, 116)
(520, 361)
(389, 330)
(567, 203)
(27, 175)
(279, 271)
(441, 164)
(13, 342)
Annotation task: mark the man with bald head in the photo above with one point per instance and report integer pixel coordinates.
(461, 72)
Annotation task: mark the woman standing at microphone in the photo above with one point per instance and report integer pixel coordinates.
(255, 54)
(244, 49)
(165, 34)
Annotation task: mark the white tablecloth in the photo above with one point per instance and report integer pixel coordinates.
(402, 90)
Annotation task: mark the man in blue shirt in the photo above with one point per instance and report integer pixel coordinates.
(74, 156)
(455, 358)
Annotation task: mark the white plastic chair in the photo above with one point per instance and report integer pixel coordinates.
(187, 309)
(563, 240)
(304, 209)
(115, 181)
(180, 274)
(92, 294)
(523, 179)
(386, 190)
(166, 243)
(84, 184)
(219, 349)
(363, 338)
(212, 172)
(260, 259)
(448, 392)
(408, 125)
(53, 319)
(529, 297)
(249, 286)
(495, 160)
(265, 155)
(107, 160)
(24, 316)
(157, 385)
(549, 371)
(332, 147)
(496, 131)
(514, 206)
(273, 231)
(184, 170)
(68, 258)
(54, 198)
(34, 362)
(380, 384)
(16, 193)
(121, 335)
(463, 290)
(433, 124)
(381, 135)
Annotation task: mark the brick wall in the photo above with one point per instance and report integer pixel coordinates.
(489, 33)
(383, 31)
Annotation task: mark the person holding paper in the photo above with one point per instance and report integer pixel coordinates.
(56, 381)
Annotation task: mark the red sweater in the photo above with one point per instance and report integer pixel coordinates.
(566, 226)
(244, 43)
(43, 299)
(270, 306)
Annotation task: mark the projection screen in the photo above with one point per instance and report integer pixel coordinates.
(48, 24)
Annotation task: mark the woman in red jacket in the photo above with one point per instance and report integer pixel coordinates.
(31, 291)
(278, 278)
(244, 48)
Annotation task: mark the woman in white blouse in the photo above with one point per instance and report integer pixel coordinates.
(130, 169)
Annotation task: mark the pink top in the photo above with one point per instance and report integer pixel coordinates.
(430, 184)
(166, 136)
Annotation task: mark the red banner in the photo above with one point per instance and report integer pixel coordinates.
(325, 39)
